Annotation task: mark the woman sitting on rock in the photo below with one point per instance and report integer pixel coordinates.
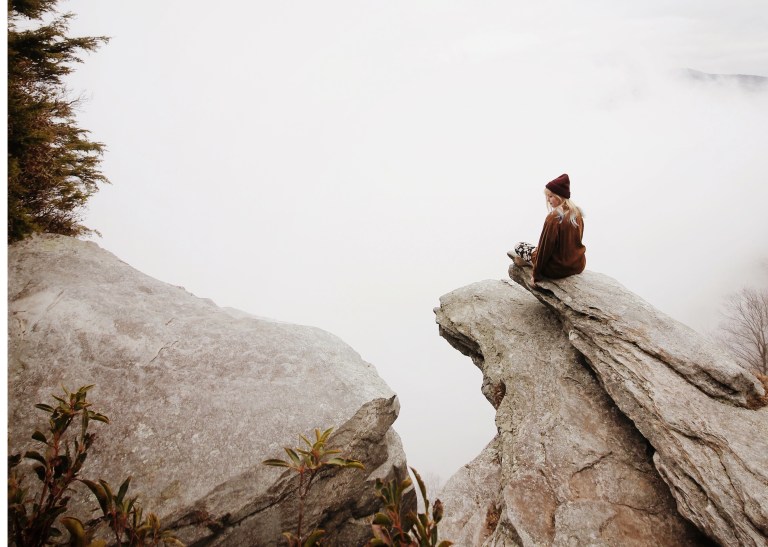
(560, 252)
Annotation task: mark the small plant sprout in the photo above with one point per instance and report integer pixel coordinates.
(392, 528)
(126, 518)
(308, 462)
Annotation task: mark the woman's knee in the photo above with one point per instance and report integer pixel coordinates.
(524, 250)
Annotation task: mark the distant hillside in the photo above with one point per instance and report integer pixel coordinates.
(750, 81)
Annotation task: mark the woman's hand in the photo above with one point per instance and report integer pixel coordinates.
(533, 282)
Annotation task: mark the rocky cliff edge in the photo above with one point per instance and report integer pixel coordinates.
(614, 422)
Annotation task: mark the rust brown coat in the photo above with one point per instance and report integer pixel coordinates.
(560, 252)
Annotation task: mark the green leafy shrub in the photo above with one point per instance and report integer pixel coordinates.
(31, 522)
(32, 518)
(392, 528)
(308, 462)
(126, 518)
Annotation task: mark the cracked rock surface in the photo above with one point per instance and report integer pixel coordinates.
(198, 397)
(567, 467)
(703, 415)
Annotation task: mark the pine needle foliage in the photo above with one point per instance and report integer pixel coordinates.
(53, 166)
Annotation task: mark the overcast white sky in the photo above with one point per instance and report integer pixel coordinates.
(344, 164)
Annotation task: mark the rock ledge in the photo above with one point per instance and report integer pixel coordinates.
(701, 412)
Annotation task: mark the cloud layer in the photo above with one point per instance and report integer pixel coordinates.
(344, 164)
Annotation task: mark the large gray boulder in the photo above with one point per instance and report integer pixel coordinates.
(567, 468)
(198, 397)
(704, 416)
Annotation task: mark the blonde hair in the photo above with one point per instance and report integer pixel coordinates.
(566, 207)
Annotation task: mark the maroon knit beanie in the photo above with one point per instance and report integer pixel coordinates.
(560, 186)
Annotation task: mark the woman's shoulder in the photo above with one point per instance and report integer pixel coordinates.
(553, 216)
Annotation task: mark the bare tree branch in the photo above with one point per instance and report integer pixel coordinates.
(744, 329)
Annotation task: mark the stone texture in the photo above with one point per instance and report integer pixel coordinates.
(198, 396)
(567, 468)
(471, 499)
(700, 411)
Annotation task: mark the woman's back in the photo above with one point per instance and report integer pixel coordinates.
(560, 252)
